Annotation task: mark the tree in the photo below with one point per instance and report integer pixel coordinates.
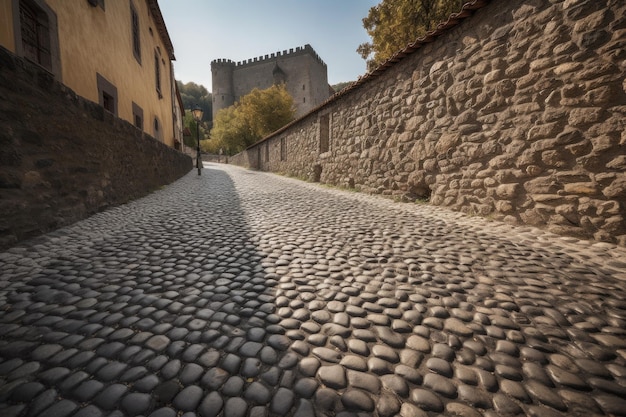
(253, 117)
(230, 131)
(194, 94)
(393, 24)
(189, 123)
(340, 86)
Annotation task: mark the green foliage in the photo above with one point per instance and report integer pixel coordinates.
(393, 24)
(253, 117)
(210, 146)
(194, 94)
(188, 121)
(340, 86)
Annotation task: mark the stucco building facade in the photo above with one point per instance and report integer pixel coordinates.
(115, 53)
(302, 71)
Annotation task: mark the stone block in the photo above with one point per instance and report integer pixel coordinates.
(614, 225)
(544, 131)
(508, 191)
(578, 9)
(579, 149)
(532, 217)
(567, 68)
(617, 188)
(504, 206)
(554, 158)
(617, 163)
(542, 185)
(533, 170)
(581, 188)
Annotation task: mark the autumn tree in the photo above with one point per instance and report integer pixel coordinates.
(393, 24)
(253, 117)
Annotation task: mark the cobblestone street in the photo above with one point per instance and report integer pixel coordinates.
(241, 293)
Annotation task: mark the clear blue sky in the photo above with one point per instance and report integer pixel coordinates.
(204, 30)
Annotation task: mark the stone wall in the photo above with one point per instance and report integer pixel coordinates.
(517, 113)
(63, 158)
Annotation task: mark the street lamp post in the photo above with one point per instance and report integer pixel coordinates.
(197, 116)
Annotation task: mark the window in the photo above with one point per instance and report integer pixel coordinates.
(324, 133)
(137, 116)
(157, 129)
(283, 149)
(107, 94)
(304, 99)
(35, 33)
(108, 102)
(303, 87)
(157, 73)
(134, 21)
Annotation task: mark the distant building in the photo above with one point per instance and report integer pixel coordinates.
(302, 70)
(115, 53)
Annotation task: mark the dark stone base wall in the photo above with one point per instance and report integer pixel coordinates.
(63, 158)
(518, 113)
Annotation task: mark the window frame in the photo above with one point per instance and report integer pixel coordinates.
(283, 149)
(157, 73)
(106, 88)
(324, 144)
(43, 13)
(157, 129)
(135, 33)
(137, 113)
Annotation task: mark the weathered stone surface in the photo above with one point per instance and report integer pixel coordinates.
(536, 346)
(77, 168)
(517, 139)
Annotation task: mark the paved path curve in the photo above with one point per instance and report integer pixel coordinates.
(247, 294)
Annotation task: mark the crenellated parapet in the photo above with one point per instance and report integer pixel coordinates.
(293, 52)
(222, 62)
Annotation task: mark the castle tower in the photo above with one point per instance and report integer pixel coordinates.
(301, 70)
(223, 90)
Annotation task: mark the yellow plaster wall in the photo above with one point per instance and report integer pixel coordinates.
(7, 39)
(92, 40)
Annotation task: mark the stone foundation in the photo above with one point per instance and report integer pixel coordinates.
(63, 158)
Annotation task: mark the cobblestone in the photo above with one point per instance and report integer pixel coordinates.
(242, 293)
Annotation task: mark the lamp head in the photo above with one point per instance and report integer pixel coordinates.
(197, 113)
